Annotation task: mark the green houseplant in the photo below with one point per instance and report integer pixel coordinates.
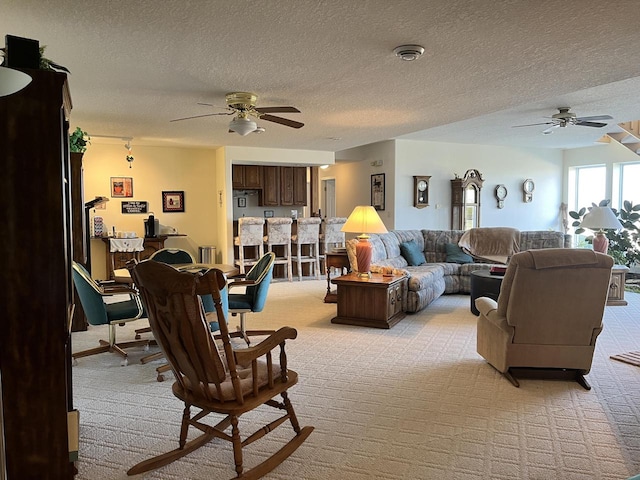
(624, 244)
(78, 141)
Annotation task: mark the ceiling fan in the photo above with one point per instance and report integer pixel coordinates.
(565, 118)
(243, 106)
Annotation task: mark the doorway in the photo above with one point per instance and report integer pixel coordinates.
(329, 197)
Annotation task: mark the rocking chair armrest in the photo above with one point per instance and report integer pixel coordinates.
(246, 355)
(241, 283)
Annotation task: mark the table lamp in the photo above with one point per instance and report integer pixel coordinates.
(600, 218)
(364, 220)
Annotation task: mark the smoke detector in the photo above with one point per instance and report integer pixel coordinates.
(408, 53)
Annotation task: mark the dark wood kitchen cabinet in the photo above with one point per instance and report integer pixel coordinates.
(293, 186)
(271, 186)
(246, 176)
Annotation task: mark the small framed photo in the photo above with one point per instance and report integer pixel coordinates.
(268, 214)
(121, 187)
(242, 202)
(173, 201)
(377, 191)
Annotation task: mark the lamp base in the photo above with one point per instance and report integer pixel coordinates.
(600, 243)
(363, 256)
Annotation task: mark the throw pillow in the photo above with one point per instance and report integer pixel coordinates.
(412, 253)
(456, 255)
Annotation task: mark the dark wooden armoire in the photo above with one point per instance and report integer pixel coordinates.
(37, 289)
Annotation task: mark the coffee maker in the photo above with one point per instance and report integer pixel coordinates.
(151, 226)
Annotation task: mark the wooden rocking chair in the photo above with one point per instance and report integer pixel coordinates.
(214, 378)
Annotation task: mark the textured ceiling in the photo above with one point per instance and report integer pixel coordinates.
(488, 65)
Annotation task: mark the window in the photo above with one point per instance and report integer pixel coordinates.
(629, 181)
(587, 185)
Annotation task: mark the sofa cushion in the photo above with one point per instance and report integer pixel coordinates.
(456, 255)
(412, 253)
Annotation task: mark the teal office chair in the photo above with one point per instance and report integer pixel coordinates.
(172, 256)
(257, 282)
(98, 312)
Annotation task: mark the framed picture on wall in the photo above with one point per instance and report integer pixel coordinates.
(121, 187)
(173, 201)
(377, 191)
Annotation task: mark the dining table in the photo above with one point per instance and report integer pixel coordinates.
(122, 275)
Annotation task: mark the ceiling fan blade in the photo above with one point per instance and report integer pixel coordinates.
(277, 110)
(532, 124)
(200, 116)
(595, 117)
(590, 124)
(281, 121)
(550, 130)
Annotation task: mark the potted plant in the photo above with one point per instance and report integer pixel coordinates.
(78, 141)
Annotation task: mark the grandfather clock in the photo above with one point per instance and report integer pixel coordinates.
(465, 200)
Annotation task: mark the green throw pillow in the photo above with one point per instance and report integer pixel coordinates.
(456, 255)
(412, 253)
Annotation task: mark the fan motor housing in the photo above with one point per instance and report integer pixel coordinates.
(564, 114)
(241, 100)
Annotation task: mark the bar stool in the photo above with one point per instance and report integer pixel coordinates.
(250, 234)
(279, 233)
(331, 237)
(308, 233)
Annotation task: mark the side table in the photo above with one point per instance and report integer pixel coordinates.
(334, 260)
(483, 284)
(370, 302)
(616, 286)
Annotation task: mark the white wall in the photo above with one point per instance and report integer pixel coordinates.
(401, 159)
(498, 165)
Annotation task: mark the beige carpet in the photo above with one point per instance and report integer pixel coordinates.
(413, 402)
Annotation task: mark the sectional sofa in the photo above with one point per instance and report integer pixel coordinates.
(440, 274)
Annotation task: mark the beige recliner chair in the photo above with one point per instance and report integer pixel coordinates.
(548, 314)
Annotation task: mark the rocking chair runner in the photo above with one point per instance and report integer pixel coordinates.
(215, 379)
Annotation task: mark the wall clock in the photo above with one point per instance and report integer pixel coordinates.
(527, 190)
(421, 191)
(501, 194)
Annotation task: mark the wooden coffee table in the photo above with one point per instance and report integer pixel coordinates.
(370, 302)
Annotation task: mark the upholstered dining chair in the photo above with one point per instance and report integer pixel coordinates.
(331, 237)
(92, 297)
(250, 238)
(548, 314)
(256, 284)
(210, 373)
(279, 234)
(307, 234)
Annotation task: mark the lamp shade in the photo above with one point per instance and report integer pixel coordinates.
(599, 218)
(242, 125)
(12, 81)
(364, 219)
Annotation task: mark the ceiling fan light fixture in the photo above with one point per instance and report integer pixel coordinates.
(408, 53)
(242, 125)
